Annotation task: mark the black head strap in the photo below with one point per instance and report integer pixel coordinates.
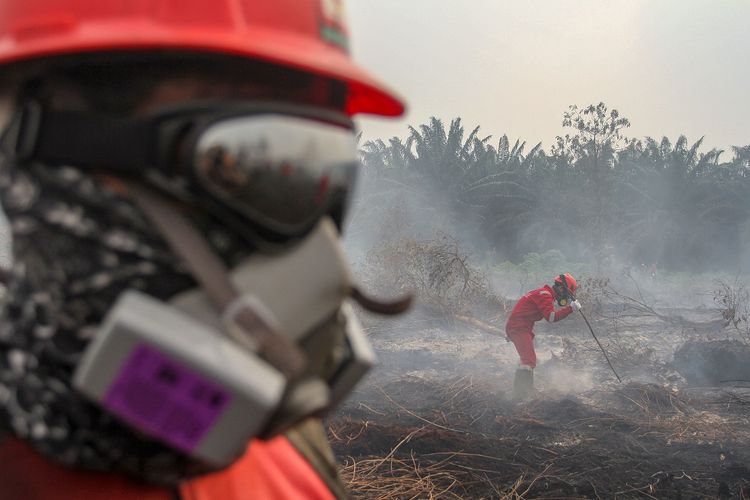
(80, 139)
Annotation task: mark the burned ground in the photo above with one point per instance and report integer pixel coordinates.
(436, 421)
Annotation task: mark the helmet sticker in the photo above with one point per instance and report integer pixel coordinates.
(333, 26)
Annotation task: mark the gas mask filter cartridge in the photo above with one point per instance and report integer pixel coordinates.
(178, 380)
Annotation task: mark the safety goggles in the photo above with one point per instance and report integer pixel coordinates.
(279, 167)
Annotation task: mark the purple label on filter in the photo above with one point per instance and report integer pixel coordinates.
(166, 399)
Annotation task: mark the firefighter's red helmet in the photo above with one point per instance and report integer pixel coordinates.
(570, 280)
(308, 35)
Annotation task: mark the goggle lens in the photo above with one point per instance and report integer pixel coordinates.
(283, 172)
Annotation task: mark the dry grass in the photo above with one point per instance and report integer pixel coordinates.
(733, 304)
(438, 271)
(410, 478)
(640, 440)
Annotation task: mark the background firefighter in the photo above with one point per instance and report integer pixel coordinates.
(532, 307)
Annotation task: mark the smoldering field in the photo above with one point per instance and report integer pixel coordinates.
(435, 419)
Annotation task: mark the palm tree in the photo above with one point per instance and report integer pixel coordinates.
(668, 199)
(652, 199)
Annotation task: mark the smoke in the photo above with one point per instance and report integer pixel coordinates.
(385, 210)
(565, 380)
(648, 259)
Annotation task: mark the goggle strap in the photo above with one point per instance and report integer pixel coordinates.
(80, 139)
(211, 274)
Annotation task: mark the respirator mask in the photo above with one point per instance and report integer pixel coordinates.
(251, 350)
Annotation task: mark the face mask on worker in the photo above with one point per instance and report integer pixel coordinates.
(254, 349)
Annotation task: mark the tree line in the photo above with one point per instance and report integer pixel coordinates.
(596, 194)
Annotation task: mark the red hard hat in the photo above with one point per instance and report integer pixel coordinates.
(570, 280)
(304, 34)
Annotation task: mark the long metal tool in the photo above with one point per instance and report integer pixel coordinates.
(600, 345)
(572, 296)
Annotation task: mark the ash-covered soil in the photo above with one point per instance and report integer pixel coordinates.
(435, 420)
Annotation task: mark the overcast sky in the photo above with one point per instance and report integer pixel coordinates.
(670, 66)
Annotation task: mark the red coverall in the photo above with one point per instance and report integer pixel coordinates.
(529, 309)
(270, 470)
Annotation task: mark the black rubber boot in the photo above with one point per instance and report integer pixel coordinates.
(523, 384)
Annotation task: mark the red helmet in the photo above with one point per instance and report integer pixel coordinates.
(570, 280)
(305, 34)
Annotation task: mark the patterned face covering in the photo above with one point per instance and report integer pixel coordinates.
(76, 246)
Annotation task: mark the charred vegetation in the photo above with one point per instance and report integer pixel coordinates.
(652, 230)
